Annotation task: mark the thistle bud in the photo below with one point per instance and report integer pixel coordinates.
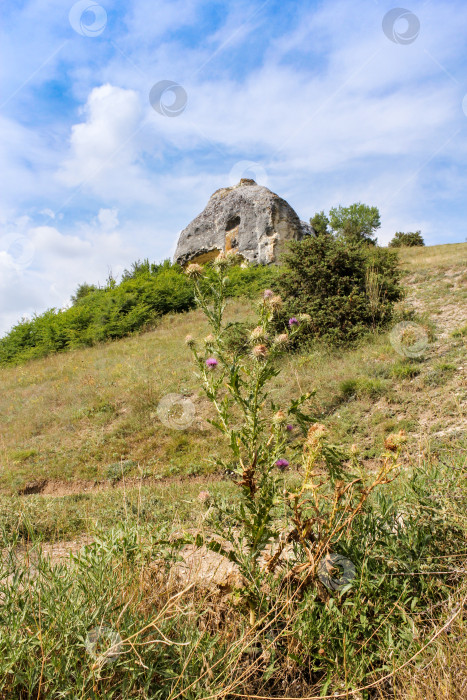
(260, 351)
(257, 333)
(305, 319)
(221, 262)
(279, 418)
(395, 440)
(194, 270)
(281, 340)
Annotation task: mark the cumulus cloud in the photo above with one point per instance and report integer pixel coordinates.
(103, 143)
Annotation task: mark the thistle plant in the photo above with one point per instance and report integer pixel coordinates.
(329, 499)
(334, 487)
(237, 384)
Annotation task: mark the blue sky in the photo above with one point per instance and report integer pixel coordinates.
(314, 99)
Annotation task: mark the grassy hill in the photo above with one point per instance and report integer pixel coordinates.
(90, 466)
(90, 415)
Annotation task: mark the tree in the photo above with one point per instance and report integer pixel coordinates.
(83, 290)
(358, 222)
(412, 238)
(320, 224)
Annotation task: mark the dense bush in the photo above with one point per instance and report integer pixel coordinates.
(409, 239)
(345, 287)
(146, 292)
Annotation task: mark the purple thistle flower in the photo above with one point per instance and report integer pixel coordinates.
(289, 427)
(211, 362)
(293, 321)
(268, 293)
(282, 463)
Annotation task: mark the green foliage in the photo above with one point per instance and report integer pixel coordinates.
(146, 292)
(320, 224)
(246, 281)
(405, 369)
(460, 332)
(405, 545)
(85, 628)
(82, 291)
(327, 278)
(410, 239)
(356, 223)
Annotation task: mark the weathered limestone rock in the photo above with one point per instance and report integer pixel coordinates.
(247, 218)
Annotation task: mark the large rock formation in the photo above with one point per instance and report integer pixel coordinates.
(247, 218)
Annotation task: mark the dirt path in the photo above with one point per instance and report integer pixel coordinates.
(59, 488)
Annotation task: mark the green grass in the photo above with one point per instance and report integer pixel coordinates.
(60, 618)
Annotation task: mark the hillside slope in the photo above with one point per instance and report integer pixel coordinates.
(69, 422)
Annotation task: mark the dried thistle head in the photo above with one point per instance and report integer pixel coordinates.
(221, 262)
(209, 339)
(258, 333)
(194, 270)
(281, 340)
(316, 433)
(394, 441)
(275, 302)
(190, 341)
(260, 351)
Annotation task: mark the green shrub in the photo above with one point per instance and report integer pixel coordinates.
(459, 332)
(320, 224)
(404, 370)
(346, 288)
(363, 386)
(146, 292)
(410, 239)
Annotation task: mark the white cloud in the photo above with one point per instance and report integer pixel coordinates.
(108, 219)
(104, 142)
